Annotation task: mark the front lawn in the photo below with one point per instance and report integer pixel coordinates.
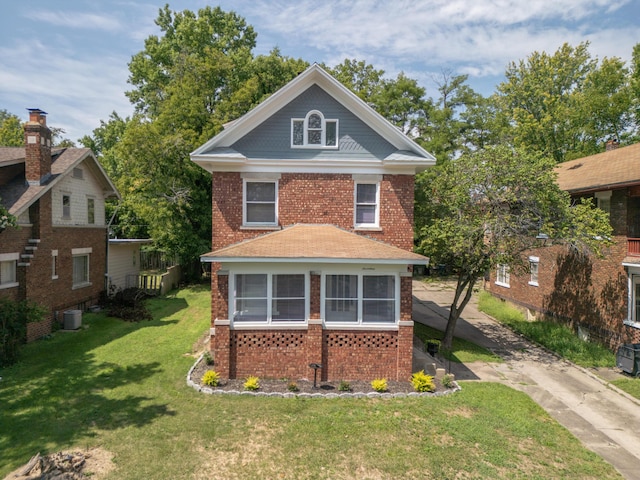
(121, 386)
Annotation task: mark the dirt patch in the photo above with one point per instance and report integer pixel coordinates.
(94, 463)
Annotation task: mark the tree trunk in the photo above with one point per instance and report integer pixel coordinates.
(464, 285)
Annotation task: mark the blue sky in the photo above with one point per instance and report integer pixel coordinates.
(70, 57)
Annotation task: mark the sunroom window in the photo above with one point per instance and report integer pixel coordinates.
(360, 299)
(269, 298)
(314, 131)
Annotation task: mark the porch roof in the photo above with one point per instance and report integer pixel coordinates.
(314, 243)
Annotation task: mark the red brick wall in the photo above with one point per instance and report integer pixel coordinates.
(315, 199)
(345, 355)
(35, 280)
(581, 291)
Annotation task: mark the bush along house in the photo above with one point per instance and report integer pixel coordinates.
(56, 256)
(598, 297)
(312, 237)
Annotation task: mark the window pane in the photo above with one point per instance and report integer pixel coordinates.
(331, 135)
(91, 210)
(251, 285)
(80, 269)
(365, 214)
(341, 304)
(288, 286)
(250, 310)
(287, 309)
(378, 311)
(261, 191)
(298, 132)
(378, 287)
(366, 193)
(7, 272)
(315, 121)
(341, 311)
(342, 286)
(315, 137)
(261, 212)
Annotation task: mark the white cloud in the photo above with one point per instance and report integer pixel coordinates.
(87, 21)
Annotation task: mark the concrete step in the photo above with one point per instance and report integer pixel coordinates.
(31, 248)
(34, 240)
(23, 264)
(26, 256)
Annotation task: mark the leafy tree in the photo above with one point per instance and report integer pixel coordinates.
(11, 132)
(402, 102)
(359, 77)
(486, 208)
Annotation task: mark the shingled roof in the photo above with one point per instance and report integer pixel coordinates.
(319, 243)
(604, 171)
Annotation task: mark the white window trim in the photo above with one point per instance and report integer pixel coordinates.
(10, 257)
(269, 323)
(66, 216)
(507, 275)
(376, 223)
(54, 264)
(536, 260)
(305, 129)
(359, 325)
(633, 279)
(81, 252)
(245, 223)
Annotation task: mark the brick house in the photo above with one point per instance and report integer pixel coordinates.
(57, 254)
(312, 237)
(600, 298)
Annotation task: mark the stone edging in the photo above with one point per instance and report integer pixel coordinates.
(217, 391)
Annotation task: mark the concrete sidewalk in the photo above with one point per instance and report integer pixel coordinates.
(605, 419)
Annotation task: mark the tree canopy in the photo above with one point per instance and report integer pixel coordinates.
(488, 207)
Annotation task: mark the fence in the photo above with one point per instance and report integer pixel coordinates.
(155, 284)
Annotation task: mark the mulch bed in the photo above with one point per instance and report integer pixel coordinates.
(304, 386)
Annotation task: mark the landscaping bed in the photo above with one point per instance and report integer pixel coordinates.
(292, 387)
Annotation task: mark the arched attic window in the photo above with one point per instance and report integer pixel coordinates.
(314, 131)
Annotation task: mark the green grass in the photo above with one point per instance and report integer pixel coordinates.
(462, 351)
(629, 385)
(121, 386)
(556, 337)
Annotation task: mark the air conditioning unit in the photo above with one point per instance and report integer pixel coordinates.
(72, 319)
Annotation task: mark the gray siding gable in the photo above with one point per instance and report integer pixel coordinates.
(272, 138)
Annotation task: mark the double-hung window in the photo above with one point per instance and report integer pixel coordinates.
(260, 206)
(360, 299)
(81, 260)
(314, 131)
(534, 263)
(91, 211)
(367, 204)
(66, 206)
(8, 273)
(269, 298)
(503, 276)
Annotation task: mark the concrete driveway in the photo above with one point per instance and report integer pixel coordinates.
(605, 419)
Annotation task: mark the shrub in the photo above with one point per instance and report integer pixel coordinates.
(128, 304)
(379, 385)
(208, 359)
(252, 383)
(210, 378)
(344, 386)
(422, 382)
(14, 317)
(292, 387)
(449, 380)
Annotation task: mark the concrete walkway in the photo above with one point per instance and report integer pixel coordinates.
(605, 419)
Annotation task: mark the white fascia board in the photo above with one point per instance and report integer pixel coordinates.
(369, 261)
(314, 75)
(229, 164)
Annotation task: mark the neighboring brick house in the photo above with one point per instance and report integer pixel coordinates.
(312, 238)
(57, 254)
(598, 297)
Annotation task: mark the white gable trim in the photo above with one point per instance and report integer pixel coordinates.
(313, 75)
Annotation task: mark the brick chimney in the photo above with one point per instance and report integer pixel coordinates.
(37, 143)
(611, 144)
